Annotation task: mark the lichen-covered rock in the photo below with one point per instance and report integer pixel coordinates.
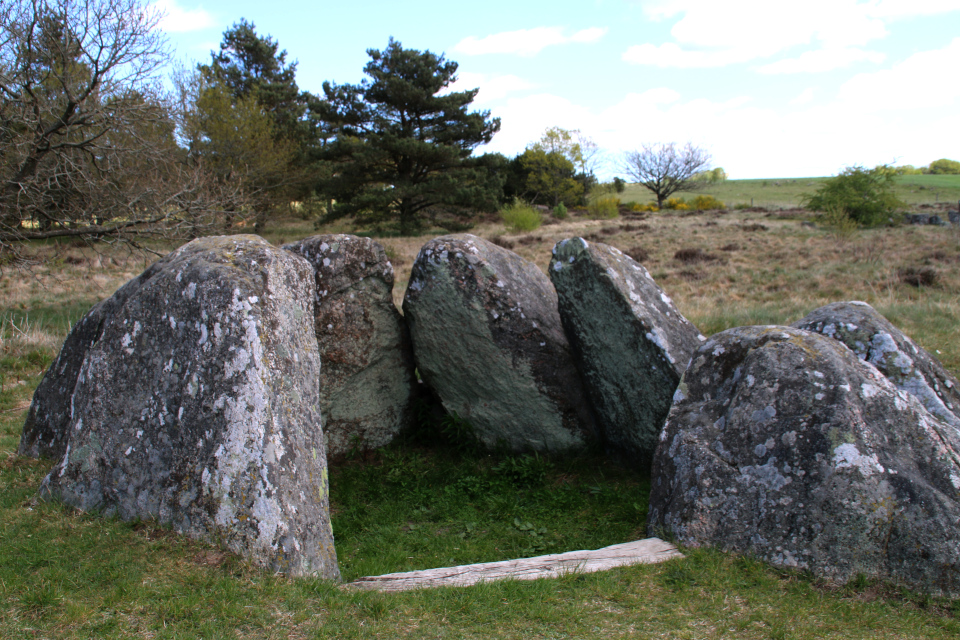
(487, 339)
(198, 407)
(367, 379)
(629, 340)
(874, 339)
(783, 445)
(46, 428)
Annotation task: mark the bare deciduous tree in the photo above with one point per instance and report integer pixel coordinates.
(665, 169)
(87, 146)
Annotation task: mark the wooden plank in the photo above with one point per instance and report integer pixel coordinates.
(649, 551)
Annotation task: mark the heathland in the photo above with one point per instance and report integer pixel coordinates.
(430, 501)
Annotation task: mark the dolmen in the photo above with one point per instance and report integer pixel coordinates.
(789, 445)
(199, 395)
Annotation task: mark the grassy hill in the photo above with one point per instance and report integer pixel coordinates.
(788, 193)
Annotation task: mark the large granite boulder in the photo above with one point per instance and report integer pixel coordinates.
(198, 407)
(874, 339)
(47, 426)
(487, 339)
(783, 445)
(629, 341)
(367, 380)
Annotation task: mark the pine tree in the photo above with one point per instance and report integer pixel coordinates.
(402, 146)
(251, 66)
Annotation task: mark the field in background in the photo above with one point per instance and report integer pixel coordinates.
(70, 575)
(787, 193)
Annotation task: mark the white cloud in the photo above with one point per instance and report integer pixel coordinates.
(708, 33)
(491, 87)
(179, 20)
(912, 8)
(806, 97)
(669, 55)
(918, 81)
(810, 138)
(524, 119)
(591, 34)
(820, 60)
(526, 42)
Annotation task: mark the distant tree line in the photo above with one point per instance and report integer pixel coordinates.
(943, 166)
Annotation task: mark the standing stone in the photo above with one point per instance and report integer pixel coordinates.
(47, 426)
(488, 340)
(198, 407)
(629, 341)
(783, 445)
(367, 379)
(874, 339)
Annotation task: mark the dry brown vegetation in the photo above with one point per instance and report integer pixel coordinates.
(723, 269)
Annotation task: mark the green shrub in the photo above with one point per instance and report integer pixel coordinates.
(866, 195)
(704, 203)
(560, 212)
(944, 166)
(605, 208)
(520, 216)
(908, 170)
(619, 185)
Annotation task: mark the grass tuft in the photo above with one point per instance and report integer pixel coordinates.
(520, 216)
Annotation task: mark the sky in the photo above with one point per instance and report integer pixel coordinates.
(770, 88)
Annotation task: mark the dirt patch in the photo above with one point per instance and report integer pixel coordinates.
(638, 253)
(693, 256)
(918, 276)
(211, 558)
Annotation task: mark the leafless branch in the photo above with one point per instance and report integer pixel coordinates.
(665, 169)
(87, 143)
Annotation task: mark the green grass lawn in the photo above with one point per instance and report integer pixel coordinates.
(412, 506)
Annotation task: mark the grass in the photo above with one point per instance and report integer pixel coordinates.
(413, 509)
(70, 575)
(786, 193)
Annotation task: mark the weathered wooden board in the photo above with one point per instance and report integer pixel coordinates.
(649, 551)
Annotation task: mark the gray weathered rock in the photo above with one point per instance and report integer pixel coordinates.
(874, 339)
(487, 339)
(198, 407)
(783, 445)
(367, 379)
(47, 426)
(629, 341)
